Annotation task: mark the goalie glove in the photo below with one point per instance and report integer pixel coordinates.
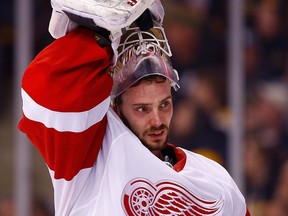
(112, 15)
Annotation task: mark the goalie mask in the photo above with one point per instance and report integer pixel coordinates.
(142, 54)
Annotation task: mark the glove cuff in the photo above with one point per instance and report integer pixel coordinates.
(60, 24)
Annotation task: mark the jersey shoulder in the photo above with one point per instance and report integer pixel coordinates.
(203, 164)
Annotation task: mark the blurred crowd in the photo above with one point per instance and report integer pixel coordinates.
(197, 33)
(39, 208)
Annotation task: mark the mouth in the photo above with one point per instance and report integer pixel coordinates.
(156, 134)
(159, 134)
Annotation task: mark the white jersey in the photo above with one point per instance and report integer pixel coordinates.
(97, 165)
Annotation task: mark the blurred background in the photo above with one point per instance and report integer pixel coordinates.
(234, 83)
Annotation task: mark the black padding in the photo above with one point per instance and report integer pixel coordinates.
(145, 21)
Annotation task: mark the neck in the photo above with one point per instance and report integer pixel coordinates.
(158, 154)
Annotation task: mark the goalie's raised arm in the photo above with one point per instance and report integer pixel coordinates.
(65, 93)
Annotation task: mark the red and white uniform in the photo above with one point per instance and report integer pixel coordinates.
(97, 165)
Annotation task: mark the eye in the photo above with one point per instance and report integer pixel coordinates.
(143, 109)
(165, 104)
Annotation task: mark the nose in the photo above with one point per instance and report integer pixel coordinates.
(155, 118)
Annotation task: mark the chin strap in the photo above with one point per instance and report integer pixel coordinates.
(168, 161)
(169, 157)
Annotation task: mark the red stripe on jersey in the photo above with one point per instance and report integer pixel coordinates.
(247, 213)
(71, 74)
(66, 153)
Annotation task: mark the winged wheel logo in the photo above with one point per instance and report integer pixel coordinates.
(141, 197)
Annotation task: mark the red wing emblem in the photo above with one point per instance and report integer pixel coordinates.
(141, 197)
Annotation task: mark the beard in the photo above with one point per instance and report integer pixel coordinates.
(152, 145)
(157, 144)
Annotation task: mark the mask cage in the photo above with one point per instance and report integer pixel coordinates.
(136, 42)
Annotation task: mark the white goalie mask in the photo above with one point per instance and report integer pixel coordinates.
(112, 15)
(142, 54)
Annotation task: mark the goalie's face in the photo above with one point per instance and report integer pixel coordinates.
(147, 109)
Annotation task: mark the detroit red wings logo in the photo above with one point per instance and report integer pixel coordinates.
(141, 197)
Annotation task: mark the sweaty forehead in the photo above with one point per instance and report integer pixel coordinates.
(147, 91)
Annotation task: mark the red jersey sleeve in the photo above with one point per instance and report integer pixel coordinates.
(65, 92)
